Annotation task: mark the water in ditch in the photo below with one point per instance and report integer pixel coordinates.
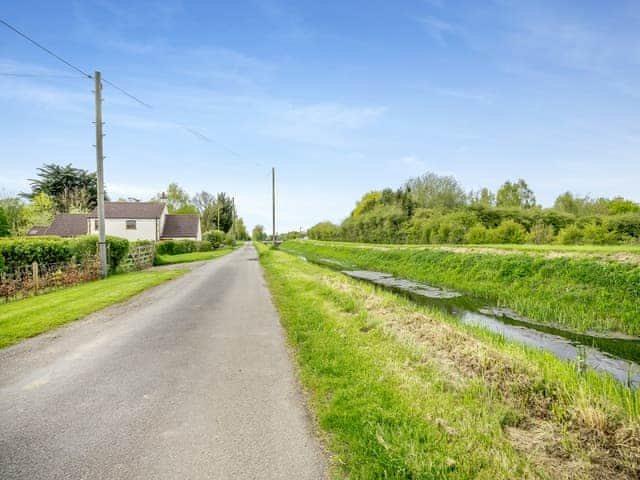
(619, 357)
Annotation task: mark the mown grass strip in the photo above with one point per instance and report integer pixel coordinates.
(31, 316)
(191, 257)
(579, 293)
(403, 392)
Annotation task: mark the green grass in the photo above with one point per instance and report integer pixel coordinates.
(31, 316)
(191, 257)
(578, 292)
(400, 391)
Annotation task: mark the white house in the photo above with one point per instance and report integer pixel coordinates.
(130, 220)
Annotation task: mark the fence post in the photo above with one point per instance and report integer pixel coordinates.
(36, 279)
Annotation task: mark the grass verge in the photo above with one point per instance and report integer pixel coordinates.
(582, 293)
(401, 391)
(31, 316)
(191, 257)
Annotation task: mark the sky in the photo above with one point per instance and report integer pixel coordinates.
(341, 97)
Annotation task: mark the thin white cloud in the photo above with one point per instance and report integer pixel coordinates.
(438, 29)
(484, 98)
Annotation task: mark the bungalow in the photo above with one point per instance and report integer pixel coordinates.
(130, 220)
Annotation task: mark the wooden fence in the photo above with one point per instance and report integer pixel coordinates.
(29, 280)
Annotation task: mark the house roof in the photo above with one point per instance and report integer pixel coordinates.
(68, 225)
(131, 210)
(180, 226)
(37, 230)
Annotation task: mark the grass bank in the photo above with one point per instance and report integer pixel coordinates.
(31, 316)
(400, 391)
(582, 293)
(191, 257)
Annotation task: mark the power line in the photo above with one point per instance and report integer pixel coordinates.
(42, 47)
(123, 91)
(108, 82)
(37, 75)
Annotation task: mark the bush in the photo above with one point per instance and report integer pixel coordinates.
(477, 234)
(508, 231)
(570, 235)
(205, 246)
(595, 234)
(541, 233)
(117, 249)
(176, 247)
(229, 240)
(215, 237)
(87, 246)
(20, 252)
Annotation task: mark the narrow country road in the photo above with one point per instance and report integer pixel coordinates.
(189, 380)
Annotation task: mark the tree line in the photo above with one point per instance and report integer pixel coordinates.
(436, 209)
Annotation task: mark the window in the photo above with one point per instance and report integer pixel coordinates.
(131, 224)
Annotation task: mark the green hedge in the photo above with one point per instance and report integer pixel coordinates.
(17, 253)
(216, 237)
(178, 247)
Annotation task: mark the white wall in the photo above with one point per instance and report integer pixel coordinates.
(145, 228)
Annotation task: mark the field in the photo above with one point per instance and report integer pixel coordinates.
(31, 316)
(191, 257)
(402, 391)
(582, 289)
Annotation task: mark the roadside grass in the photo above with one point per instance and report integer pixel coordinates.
(526, 247)
(31, 316)
(191, 257)
(402, 391)
(577, 292)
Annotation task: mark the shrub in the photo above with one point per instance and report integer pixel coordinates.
(570, 235)
(595, 234)
(20, 252)
(215, 237)
(205, 246)
(229, 240)
(117, 249)
(541, 233)
(477, 234)
(508, 231)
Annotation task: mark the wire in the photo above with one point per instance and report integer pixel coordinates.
(123, 91)
(108, 82)
(42, 47)
(36, 75)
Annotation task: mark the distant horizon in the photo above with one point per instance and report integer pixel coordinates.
(341, 97)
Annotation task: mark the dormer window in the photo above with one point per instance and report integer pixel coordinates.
(131, 224)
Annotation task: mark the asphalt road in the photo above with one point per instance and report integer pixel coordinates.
(189, 380)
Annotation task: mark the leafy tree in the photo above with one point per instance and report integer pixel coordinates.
(71, 189)
(515, 195)
(5, 231)
(258, 234)
(366, 203)
(324, 231)
(41, 210)
(176, 199)
(435, 191)
(190, 209)
(223, 209)
(240, 230)
(483, 197)
(619, 205)
(14, 210)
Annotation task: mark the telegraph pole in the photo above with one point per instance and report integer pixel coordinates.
(273, 205)
(102, 240)
(233, 217)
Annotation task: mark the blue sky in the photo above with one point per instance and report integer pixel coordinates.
(341, 97)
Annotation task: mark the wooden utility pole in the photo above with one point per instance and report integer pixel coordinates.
(273, 205)
(218, 224)
(233, 217)
(102, 240)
